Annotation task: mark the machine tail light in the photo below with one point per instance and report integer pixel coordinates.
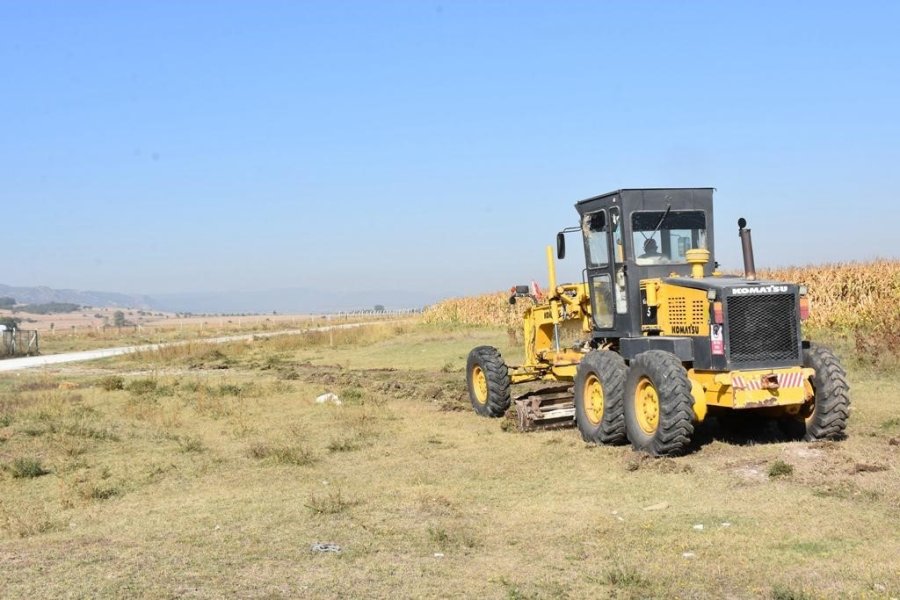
(804, 308)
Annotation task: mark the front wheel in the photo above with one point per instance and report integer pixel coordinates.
(658, 404)
(488, 380)
(831, 398)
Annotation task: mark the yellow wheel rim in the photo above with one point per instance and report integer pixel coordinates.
(593, 399)
(646, 406)
(479, 385)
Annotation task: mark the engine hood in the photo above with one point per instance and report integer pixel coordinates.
(734, 286)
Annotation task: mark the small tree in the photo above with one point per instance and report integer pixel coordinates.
(10, 322)
(119, 318)
(7, 302)
(379, 308)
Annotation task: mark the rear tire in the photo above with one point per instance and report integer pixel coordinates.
(831, 402)
(488, 380)
(659, 410)
(599, 397)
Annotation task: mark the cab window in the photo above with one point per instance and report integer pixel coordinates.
(594, 227)
(663, 237)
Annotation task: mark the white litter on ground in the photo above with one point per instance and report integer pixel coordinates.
(328, 397)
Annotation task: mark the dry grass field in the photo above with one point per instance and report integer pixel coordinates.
(204, 472)
(82, 330)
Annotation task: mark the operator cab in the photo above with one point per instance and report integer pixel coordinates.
(635, 234)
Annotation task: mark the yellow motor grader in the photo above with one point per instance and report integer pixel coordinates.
(654, 339)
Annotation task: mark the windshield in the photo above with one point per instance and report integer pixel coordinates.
(662, 237)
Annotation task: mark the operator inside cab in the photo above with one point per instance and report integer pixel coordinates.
(651, 255)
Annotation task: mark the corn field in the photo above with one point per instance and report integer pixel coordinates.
(843, 297)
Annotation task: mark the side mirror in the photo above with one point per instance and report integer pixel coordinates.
(560, 246)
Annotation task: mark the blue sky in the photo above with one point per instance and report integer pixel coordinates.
(193, 146)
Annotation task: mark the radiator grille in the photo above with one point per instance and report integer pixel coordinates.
(683, 313)
(677, 311)
(763, 328)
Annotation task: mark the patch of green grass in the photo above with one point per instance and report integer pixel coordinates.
(288, 374)
(346, 443)
(353, 395)
(228, 389)
(779, 468)
(190, 386)
(450, 536)
(111, 383)
(807, 548)
(208, 358)
(27, 468)
(34, 429)
(622, 576)
(331, 503)
(513, 591)
(102, 490)
(191, 444)
(783, 592)
(272, 361)
(286, 454)
(88, 430)
(438, 535)
(141, 387)
(892, 423)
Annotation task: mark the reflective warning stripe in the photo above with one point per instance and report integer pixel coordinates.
(794, 379)
(785, 380)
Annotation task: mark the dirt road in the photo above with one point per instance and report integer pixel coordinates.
(31, 362)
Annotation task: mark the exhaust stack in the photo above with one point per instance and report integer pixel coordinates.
(747, 247)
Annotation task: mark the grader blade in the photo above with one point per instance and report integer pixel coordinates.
(551, 408)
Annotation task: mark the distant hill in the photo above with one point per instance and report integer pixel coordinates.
(46, 295)
(286, 301)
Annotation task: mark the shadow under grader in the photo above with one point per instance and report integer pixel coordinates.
(745, 429)
(741, 429)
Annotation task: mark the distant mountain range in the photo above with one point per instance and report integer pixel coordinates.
(44, 295)
(289, 300)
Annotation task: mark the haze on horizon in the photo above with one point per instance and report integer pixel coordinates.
(154, 147)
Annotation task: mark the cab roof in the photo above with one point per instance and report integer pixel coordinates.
(623, 191)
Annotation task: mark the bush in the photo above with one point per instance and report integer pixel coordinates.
(779, 468)
(10, 322)
(329, 504)
(100, 491)
(142, 387)
(780, 592)
(282, 454)
(111, 383)
(343, 444)
(27, 468)
(191, 444)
